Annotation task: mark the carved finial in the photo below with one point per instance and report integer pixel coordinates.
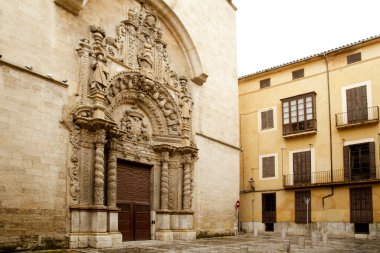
(98, 30)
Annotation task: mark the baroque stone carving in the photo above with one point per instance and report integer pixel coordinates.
(132, 98)
(133, 123)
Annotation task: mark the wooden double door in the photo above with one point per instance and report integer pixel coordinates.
(133, 199)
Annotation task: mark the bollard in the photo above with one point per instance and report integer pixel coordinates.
(283, 234)
(314, 238)
(286, 246)
(255, 233)
(244, 249)
(301, 242)
(324, 239)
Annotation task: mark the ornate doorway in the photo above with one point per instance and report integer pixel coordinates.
(130, 106)
(133, 199)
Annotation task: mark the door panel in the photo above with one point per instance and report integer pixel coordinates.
(269, 207)
(361, 205)
(302, 167)
(133, 198)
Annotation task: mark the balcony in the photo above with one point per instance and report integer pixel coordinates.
(323, 178)
(363, 116)
(299, 128)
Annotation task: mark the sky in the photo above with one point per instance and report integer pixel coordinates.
(273, 32)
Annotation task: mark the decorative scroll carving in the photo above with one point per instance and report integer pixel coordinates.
(84, 54)
(74, 170)
(173, 185)
(85, 174)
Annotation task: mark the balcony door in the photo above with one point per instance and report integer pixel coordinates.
(357, 107)
(302, 167)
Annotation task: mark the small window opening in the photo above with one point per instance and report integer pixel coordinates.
(298, 73)
(354, 58)
(361, 228)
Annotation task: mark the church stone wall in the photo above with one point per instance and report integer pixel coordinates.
(33, 150)
(211, 25)
(33, 147)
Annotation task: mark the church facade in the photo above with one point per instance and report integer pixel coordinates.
(114, 118)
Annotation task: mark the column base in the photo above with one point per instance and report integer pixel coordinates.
(100, 241)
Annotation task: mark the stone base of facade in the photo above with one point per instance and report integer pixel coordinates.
(335, 229)
(98, 240)
(174, 226)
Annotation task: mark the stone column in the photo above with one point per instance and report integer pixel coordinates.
(187, 182)
(99, 168)
(164, 180)
(111, 180)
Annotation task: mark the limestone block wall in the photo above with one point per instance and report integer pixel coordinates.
(211, 25)
(33, 147)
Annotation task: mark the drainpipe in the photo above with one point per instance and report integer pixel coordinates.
(330, 130)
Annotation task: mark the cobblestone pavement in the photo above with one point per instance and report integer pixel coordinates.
(242, 244)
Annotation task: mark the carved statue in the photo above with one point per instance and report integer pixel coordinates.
(101, 72)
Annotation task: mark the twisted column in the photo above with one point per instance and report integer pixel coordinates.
(187, 182)
(111, 177)
(99, 169)
(164, 180)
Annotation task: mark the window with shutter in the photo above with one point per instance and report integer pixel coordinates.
(302, 211)
(357, 107)
(360, 161)
(267, 119)
(298, 73)
(264, 83)
(298, 113)
(268, 166)
(354, 58)
(302, 167)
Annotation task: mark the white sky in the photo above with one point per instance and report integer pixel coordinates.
(272, 32)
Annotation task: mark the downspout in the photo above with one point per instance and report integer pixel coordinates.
(330, 131)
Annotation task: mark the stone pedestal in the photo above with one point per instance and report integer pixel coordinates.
(100, 240)
(174, 226)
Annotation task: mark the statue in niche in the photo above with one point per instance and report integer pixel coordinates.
(100, 74)
(185, 99)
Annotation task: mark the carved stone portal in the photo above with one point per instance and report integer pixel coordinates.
(131, 106)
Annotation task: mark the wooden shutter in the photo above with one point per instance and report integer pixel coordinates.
(298, 73)
(302, 167)
(346, 161)
(372, 160)
(354, 58)
(264, 120)
(270, 119)
(361, 210)
(268, 166)
(302, 213)
(264, 83)
(357, 108)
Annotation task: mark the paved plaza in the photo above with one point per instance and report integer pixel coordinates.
(243, 244)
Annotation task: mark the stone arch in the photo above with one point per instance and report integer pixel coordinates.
(152, 97)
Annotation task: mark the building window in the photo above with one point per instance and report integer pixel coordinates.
(298, 113)
(268, 165)
(298, 74)
(264, 83)
(361, 209)
(354, 58)
(359, 161)
(267, 119)
(303, 211)
(269, 207)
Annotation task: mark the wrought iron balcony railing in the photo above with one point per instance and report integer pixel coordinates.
(357, 117)
(324, 178)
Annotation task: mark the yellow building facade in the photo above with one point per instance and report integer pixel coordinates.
(310, 144)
